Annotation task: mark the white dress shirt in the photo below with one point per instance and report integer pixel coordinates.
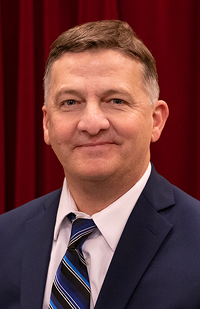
(99, 248)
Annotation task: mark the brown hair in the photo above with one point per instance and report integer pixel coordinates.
(101, 35)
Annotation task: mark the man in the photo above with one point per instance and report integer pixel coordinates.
(101, 114)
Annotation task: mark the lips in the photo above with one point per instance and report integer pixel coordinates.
(90, 144)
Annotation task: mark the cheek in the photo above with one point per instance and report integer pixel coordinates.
(128, 128)
(137, 133)
(60, 133)
(60, 140)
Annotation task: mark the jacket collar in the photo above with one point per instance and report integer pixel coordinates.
(142, 237)
(37, 249)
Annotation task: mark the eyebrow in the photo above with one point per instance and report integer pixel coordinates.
(109, 92)
(119, 91)
(68, 91)
(116, 91)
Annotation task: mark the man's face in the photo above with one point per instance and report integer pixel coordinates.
(98, 119)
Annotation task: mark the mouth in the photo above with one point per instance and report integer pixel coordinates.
(91, 144)
(95, 146)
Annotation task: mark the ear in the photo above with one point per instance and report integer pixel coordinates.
(46, 125)
(160, 115)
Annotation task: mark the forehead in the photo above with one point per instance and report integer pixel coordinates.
(103, 59)
(100, 69)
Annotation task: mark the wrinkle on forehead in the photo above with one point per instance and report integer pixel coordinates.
(98, 73)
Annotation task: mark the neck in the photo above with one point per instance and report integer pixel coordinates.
(93, 196)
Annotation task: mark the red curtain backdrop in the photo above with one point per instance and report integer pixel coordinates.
(170, 29)
(2, 132)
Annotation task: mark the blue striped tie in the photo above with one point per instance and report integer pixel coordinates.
(71, 287)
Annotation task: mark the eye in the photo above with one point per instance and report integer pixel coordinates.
(117, 101)
(70, 102)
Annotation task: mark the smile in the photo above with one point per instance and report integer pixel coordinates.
(95, 147)
(99, 144)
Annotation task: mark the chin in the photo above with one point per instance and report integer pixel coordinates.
(95, 174)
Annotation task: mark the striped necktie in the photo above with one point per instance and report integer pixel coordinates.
(71, 287)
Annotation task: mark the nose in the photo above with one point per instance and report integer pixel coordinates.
(93, 119)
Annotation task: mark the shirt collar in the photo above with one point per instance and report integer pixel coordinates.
(111, 220)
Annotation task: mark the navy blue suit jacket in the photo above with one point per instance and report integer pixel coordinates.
(156, 264)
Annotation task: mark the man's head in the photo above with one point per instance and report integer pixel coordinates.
(104, 35)
(98, 118)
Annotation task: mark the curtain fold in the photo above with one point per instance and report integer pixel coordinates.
(25, 137)
(170, 29)
(89, 10)
(2, 130)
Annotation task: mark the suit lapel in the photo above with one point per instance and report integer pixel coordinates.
(37, 249)
(142, 237)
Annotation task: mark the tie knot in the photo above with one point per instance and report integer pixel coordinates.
(81, 229)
